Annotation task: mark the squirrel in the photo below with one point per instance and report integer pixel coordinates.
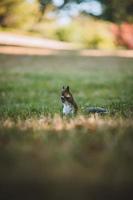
(70, 106)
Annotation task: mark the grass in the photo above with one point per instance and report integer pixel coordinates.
(30, 86)
(46, 157)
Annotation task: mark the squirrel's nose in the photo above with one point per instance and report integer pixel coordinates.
(62, 97)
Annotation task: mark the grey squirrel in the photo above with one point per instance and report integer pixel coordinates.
(70, 106)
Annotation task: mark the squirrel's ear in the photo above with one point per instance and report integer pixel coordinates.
(67, 88)
(63, 88)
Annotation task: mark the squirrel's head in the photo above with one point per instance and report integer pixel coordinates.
(66, 95)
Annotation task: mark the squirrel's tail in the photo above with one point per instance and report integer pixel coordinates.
(96, 110)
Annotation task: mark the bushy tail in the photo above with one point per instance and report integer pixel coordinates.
(96, 110)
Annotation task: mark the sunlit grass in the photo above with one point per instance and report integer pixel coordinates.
(57, 123)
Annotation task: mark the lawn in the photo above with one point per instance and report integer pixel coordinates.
(46, 157)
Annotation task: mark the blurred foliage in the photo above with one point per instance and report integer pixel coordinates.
(98, 37)
(93, 42)
(63, 34)
(117, 10)
(79, 31)
(103, 35)
(83, 30)
(20, 12)
(44, 4)
(123, 35)
(16, 13)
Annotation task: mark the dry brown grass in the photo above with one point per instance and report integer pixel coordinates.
(58, 123)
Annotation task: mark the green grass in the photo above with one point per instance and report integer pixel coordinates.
(30, 86)
(92, 160)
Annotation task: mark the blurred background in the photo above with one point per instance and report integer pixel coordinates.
(93, 24)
